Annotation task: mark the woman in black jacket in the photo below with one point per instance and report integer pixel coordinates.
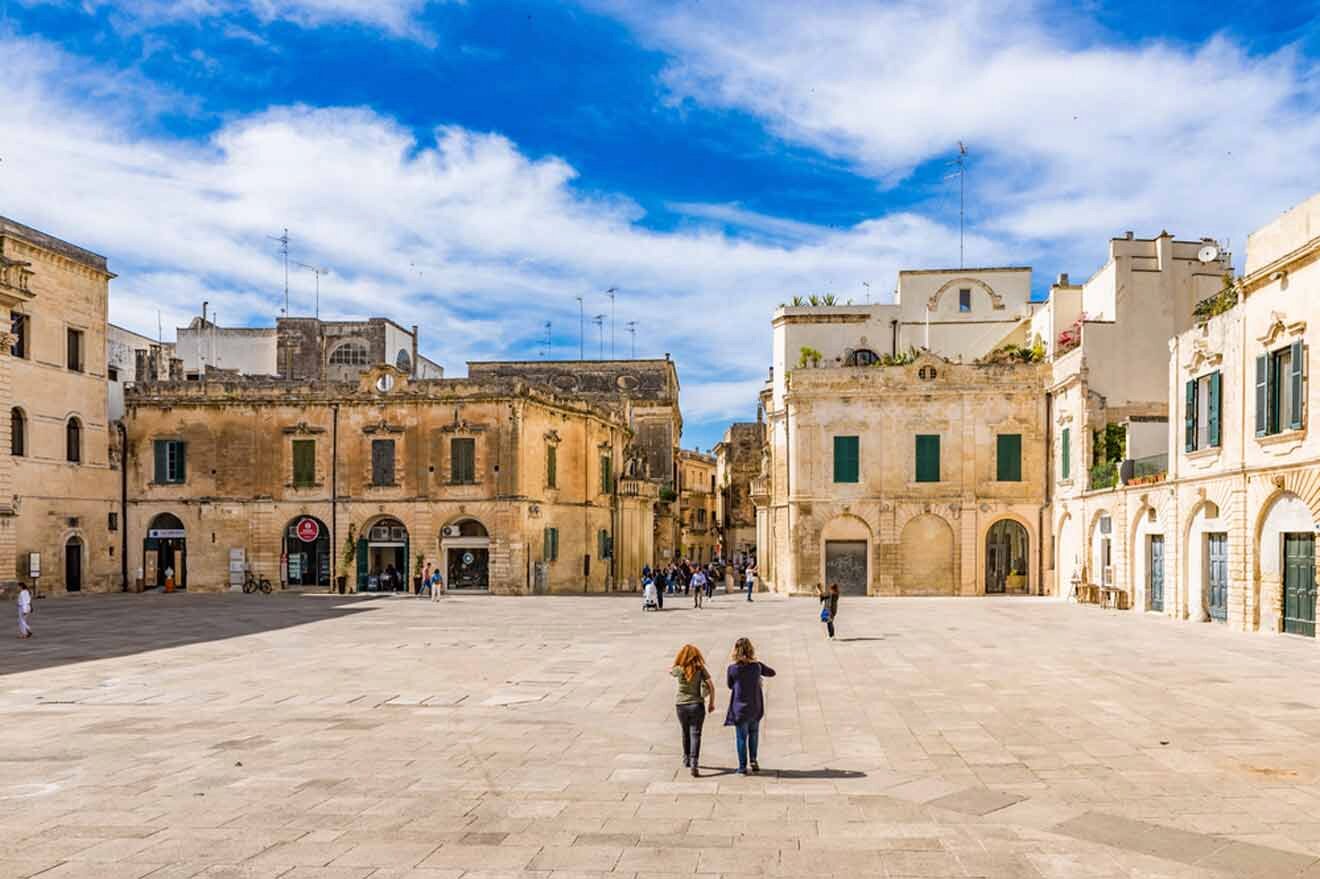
(746, 704)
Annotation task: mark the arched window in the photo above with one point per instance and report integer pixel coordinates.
(350, 354)
(863, 357)
(403, 361)
(73, 440)
(17, 432)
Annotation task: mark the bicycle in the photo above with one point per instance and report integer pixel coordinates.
(252, 584)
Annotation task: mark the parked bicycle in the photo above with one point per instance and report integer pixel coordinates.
(252, 584)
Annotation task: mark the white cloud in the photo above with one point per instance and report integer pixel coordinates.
(395, 17)
(1071, 142)
(468, 237)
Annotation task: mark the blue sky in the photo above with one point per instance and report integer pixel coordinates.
(475, 166)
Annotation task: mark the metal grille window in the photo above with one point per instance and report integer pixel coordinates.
(462, 459)
(382, 462)
(304, 463)
(170, 456)
(17, 433)
(604, 544)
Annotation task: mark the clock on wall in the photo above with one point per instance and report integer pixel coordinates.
(385, 383)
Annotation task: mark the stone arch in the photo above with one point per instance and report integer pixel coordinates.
(1282, 512)
(465, 548)
(1067, 554)
(1024, 562)
(845, 544)
(1093, 563)
(926, 557)
(996, 301)
(1205, 515)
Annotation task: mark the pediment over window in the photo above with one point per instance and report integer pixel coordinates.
(302, 428)
(1203, 354)
(1279, 328)
(383, 426)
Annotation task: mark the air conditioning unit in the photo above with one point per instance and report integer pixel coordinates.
(451, 531)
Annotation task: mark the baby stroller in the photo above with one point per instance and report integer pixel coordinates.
(650, 601)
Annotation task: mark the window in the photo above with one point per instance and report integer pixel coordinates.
(964, 300)
(604, 544)
(1279, 397)
(112, 373)
(17, 433)
(606, 474)
(1008, 457)
(304, 463)
(403, 361)
(350, 354)
(1106, 550)
(846, 459)
(382, 462)
(1201, 412)
(701, 518)
(863, 357)
(112, 522)
(552, 466)
(73, 441)
(19, 324)
(462, 460)
(550, 552)
(1065, 454)
(169, 462)
(928, 457)
(75, 349)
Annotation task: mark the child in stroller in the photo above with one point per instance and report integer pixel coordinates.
(650, 599)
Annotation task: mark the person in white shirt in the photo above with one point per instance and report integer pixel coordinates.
(698, 583)
(24, 611)
(751, 581)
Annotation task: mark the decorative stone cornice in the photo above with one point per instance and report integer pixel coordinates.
(1279, 327)
(302, 428)
(1203, 354)
(552, 436)
(382, 426)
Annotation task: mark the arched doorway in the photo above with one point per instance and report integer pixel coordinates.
(1006, 554)
(165, 552)
(306, 552)
(1285, 553)
(73, 564)
(1206, 559)
(382, 557)
(465, 547)
(846, 551)
(925, 553)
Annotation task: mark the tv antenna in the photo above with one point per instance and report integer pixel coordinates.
(318, 271)
(582, 330)
(284, 249)
(599, 321)
(632, 331)
(545, 343)
(961, 162)
(867, 285)
(610, 293)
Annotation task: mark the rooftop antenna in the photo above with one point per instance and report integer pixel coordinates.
(284, 249)
(318, 272)
(961, 162)
(599, 321)
(582, 330)
(867, 285)
(545, 344)
(610, 293)
(632, 330)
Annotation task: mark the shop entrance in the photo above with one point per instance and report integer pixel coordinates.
(1006, 558)
(165, 553)
(73, 552)
(306, 552)
(465, 547)
(382, 558)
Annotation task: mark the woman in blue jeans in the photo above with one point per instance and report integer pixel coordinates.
(746, 704)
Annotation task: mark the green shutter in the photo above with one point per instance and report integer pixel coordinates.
(1295, 416)
(183, 469)
(1262, 395)
(1189, 417)
(1065, 453)
(304, 463)
(551, 466)
(606, 478)
(928, 457)
(545, 545)
(1008, 457)
(462, 460)
(1215, 404)
(162, 460)
(362, 561)
(846, 459)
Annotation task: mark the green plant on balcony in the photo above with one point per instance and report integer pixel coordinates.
(901, 359)
(1219, 303)
(806, 355)
(667, 493)
(1011, 353)
(1108, 446)
(1104, 475)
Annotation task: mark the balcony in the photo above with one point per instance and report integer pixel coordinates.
(1145, 471)
(1103, 475)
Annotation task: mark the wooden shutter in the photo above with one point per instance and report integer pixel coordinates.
(606, 477)
(1213, 415)
(1008, 457)
(362, 560)
(928, 458)
(1295, 416)
(182, 449)
(462, 460)
(1065, 453)
(1262, 395)
(1189, 418)
(846, 459)
(162, 460)
(551, 466)
(304, 462)
(382, 462)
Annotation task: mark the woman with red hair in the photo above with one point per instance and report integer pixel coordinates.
(696, 698)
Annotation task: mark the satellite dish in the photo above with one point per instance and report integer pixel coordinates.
(1207, 254)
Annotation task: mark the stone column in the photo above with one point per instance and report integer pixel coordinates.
(8, 503)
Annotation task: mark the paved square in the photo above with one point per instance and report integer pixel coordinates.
(248, 737)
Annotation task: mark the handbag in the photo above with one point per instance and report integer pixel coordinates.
(824, 613)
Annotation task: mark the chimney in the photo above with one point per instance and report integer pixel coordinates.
(1063, 280)
(414, 351)
(1128, 235)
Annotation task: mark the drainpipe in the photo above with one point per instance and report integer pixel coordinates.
(334, 498)
(414, 351)
(893, 337)
(123, 504)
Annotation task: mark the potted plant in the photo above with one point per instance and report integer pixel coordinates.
(346, 559)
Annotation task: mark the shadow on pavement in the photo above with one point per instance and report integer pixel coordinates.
(99, 626)
(816, 774)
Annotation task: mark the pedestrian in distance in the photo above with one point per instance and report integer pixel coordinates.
(660, 586)
(751, 581)
(746, 702)
(829, 606)
(24, 611)
(698, 587)
(424, 587)
(437, 585)
(695, 699)
(710, 581)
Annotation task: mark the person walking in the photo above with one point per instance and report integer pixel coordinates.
(751, 581)
(829, 606)
(710, 581)
(660, 585)
(437, 584)
(685, 571)
(425, 585)
(24, 611)
(695, 699)
(746, 702)
(698, 587)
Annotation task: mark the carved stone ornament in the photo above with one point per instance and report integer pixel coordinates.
(996, 301)
(552, 436)
(1279, 327)
(382, 426)
(302, 428)
(461, 425)
(1203, 354)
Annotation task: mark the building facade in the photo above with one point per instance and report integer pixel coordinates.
(700, 534)
(508, 487)
(60, 518)
(737, 463)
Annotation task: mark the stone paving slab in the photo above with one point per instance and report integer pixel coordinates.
(318, 737)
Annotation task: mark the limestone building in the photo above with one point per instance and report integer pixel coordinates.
(737, 463)
(60, 490)
(508, 486)
(700, 534)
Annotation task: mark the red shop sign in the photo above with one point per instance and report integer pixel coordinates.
(308, 530)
